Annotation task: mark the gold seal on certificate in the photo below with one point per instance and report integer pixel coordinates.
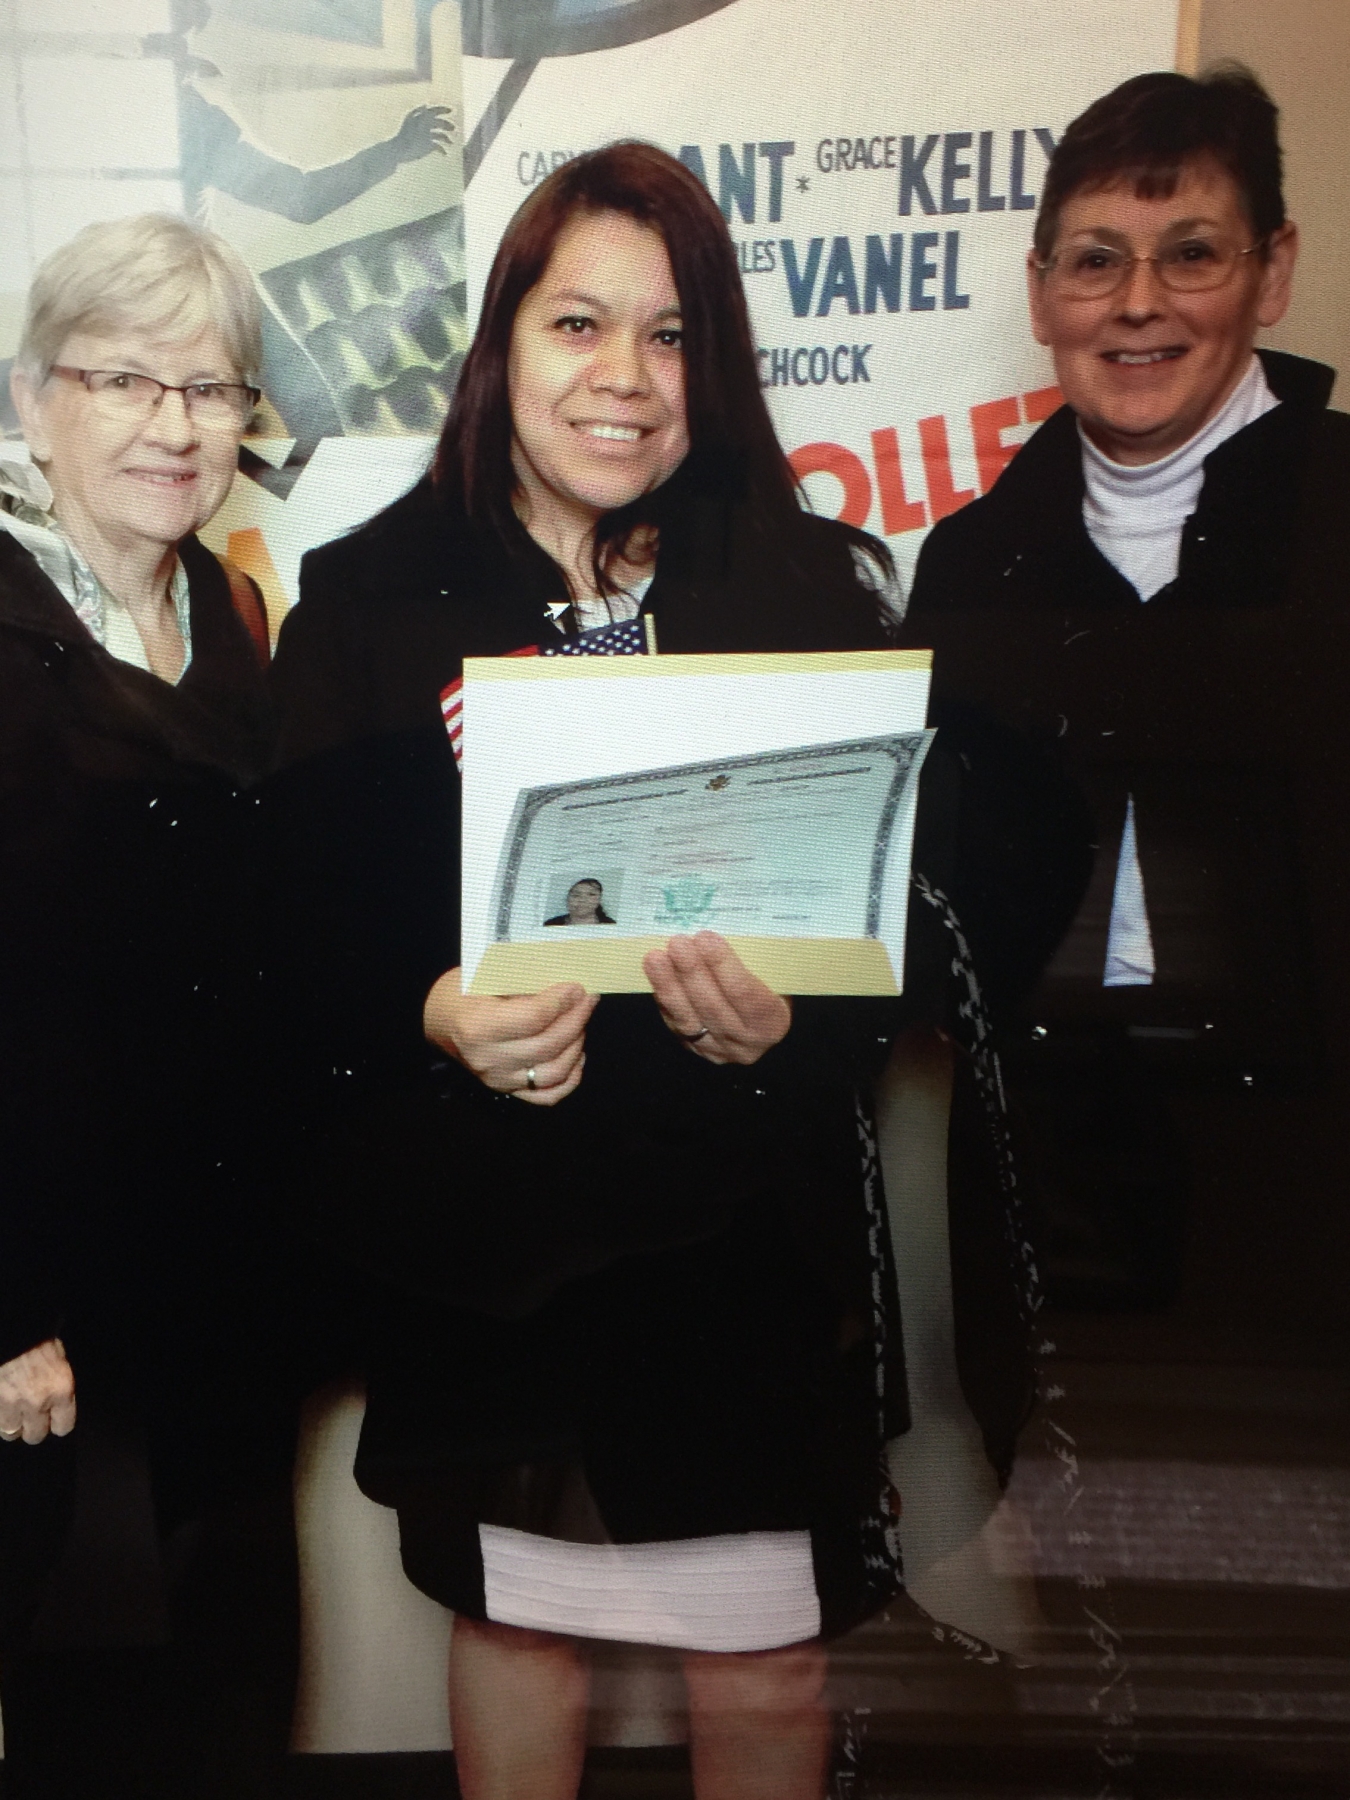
(797, 852)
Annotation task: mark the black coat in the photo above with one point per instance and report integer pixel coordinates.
(1216, 704)
(661, 1171)
(133, 1219)
(1219, 704)
(367, 838)
(127, 907)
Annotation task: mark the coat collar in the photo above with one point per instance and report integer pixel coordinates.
(215, 718)
(1245, 513)
(30, 601)
(1297, 380)
(1046, 477)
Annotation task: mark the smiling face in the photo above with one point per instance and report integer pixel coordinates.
(596, 378)
(1145, 368)
(121, 484)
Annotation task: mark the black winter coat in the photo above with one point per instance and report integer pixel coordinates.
(367, 834)
(419, 1173)
(128, 911)
(1219, 704)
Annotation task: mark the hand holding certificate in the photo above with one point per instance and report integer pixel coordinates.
(708, 997)
(790, 836)
(532, 1045)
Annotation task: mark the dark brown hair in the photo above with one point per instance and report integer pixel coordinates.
(1150, 128)
(733, 449)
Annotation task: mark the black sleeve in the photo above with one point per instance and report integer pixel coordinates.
(1024, 847)
(31, 1282)
(1024, 852)
(947, 572)
(405, 1164)
(317, 674)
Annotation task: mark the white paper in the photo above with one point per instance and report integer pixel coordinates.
(573, 720)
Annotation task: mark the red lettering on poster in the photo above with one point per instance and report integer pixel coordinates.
(849, 470)
(943, 497)
(987, 423)
(898, 512)
(1038, 406)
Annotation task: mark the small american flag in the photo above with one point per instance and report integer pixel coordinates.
(627, 639)
(634, 637)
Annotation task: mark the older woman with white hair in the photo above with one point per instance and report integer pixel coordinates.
(134, 1266)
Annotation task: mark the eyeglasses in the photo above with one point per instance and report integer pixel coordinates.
(1191, 266)
(119, 394)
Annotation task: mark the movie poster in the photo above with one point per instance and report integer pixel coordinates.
(879, 165)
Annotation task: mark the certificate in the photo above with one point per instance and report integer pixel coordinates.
(794, 847)
(785, 844)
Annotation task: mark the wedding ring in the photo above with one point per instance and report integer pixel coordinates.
(530, 1081)
(692, 1037)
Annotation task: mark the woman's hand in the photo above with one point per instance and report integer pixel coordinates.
(37, 1394)
(532, 1045)
(709, 998)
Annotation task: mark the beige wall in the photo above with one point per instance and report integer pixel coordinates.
(1301, 51)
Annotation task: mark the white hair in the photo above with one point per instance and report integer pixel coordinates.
(155, 273)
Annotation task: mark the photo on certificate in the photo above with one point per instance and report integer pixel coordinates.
(587, 900)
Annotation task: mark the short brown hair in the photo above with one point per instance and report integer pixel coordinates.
(1149, 128)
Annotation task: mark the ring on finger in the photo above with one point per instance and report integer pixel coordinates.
(692, 1037)
(530, 1081)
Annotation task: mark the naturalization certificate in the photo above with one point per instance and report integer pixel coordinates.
(796, 852)
(790, 843)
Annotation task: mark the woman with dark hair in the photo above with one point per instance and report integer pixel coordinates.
(628, 1382)
(585, 905)
(1155, 586)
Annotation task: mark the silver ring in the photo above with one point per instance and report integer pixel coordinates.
(692, 1037)
(530, 1081)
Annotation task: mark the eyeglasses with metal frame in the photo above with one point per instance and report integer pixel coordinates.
(125, 394)
(1192, 265)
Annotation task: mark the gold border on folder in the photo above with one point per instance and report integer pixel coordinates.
(614, 966)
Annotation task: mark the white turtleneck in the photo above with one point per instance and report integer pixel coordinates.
(1135, 516)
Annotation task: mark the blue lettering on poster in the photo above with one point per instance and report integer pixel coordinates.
(841, 281)
(954, 170)
(813, 365)
(952, 299)
(922, 271)
(736, 182)
(881, 274)
(692, 158)
(986, 199)
(801, 283)
(1019, 200)
(913, 181)
(775, 153)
